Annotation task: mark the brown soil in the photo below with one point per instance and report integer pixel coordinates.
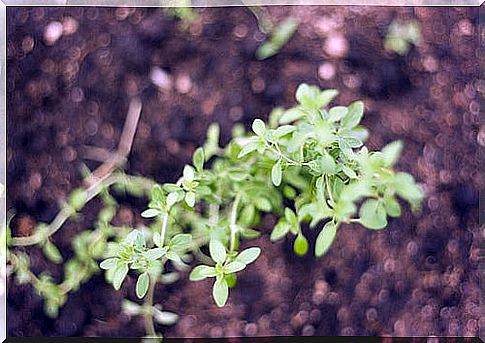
(417, 277)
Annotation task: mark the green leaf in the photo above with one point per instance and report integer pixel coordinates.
(353, 142)
(220, 292)
(312, 98)
(157, 239)
(392, 207)
(172, 198)
(180, 242)
(119, 275)
(231, 279)
(142, 285)
(262, 204)
(266, 50)
(284, 130)
(173, 256)
(106, 214)
(283, 31)
(198, 159)
(325, 238)
(171, 188)
(259, 127)
(150, 213)
(51, 252)
(249, 255)
(109, 263)
(306, 95)
(164, 317)
(78, 198)
(345, 148)
(291, 115)
(301, 245)
(354, 115)
(326, 97)
(201, 272)
(406, 187)
(217, 251)
(290, 216)
(373, 214)
(135, 238)
(188, 173)
(391, 153)
(250, 233)
(336, 113)
(327, 164)
(51, 308)
(251, 145)
(280, 230)
(276, 173)
(234, 267)
(349, 172)
(154, 254)
(190, 199)
(157, 194)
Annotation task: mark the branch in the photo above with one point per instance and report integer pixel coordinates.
(100, 178)
(118, 158)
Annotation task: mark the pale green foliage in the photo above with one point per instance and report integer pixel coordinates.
(280, 34)
(311, 157)
(401, 36)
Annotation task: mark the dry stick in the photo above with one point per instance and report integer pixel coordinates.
(118, 158)
(99, 179)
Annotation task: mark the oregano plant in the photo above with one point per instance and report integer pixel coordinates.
(307, 164)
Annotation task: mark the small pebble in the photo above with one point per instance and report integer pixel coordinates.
(326, 71)
(52, 32)
(183, 84)
(308, 330)
(250, 329)
(69, 26)
(161, 79)
(336, 45)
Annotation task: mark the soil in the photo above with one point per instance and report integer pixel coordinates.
(417, 277)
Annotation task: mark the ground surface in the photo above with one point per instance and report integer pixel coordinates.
(417, 277)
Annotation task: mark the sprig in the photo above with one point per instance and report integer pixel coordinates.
(307, 165)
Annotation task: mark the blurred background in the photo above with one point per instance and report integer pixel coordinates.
(71, 73)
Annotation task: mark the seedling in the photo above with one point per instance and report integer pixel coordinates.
(401, 36)
(311, 156)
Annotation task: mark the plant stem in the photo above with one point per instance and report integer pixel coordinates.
(233, 219)
(329, 191)
(164, 228)
(147, 304)
(66, 212)
(213, 214)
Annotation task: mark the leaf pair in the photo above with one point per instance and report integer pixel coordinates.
(223, 268)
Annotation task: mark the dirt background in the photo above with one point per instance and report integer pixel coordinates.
(417, 277)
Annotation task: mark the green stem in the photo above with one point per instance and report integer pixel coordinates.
(213, 214)
(164, 228)
(329, 191)
(276, 149)
(233, 219)
(66, 212)
(147, 314)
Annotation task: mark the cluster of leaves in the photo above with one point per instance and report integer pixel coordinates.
(401, 36)
(309, 155)
(89, 246)
(308, 164)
